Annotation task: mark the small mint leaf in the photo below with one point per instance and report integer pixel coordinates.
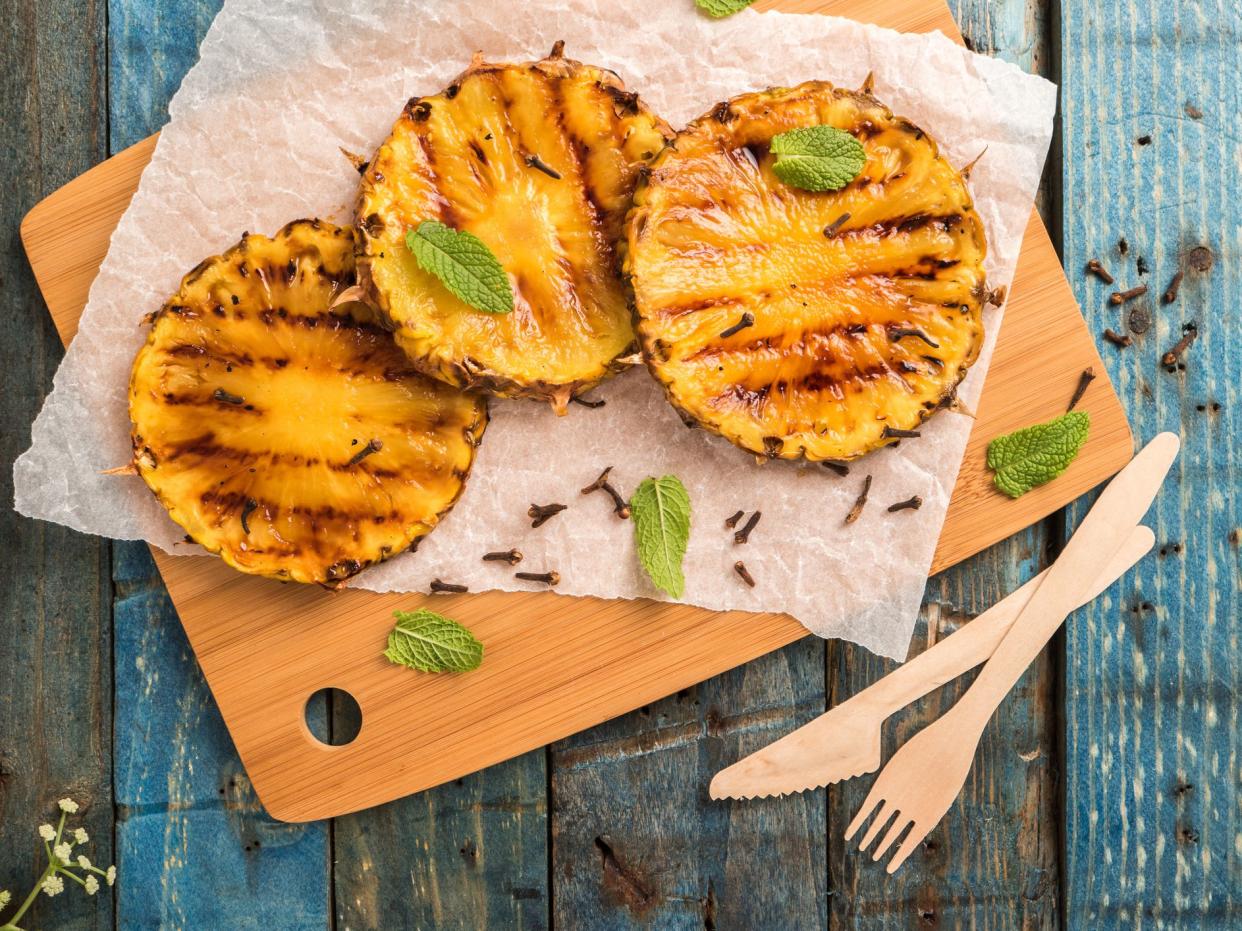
(464, 264)
(431, 642)
(1036, 455)
(722, 8)
(817, 158)
(660, 509)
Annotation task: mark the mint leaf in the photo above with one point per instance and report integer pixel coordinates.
(722, 8)
(431, 642)
(817, 158)
(1038, 454)
(464, 264)
(660, 508)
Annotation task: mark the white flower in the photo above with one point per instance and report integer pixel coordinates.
(111, 875)
(84, 863)
(63, 852)
(92, 885)
(68, 804)
(4, 897)
(53, 885)
(80, 835)
(47, 832)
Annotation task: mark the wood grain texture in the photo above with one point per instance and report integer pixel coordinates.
(495, 713)
(194, 846)
(1153, 684)
(55, 667)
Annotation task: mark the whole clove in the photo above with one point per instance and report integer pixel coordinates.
(1120, 297)
(619, 505)
(910, 504)
(743, 535)
(747, 320)
(512, 557)
(225, 398)
(834, 227)
(534, 161)
(1200, 259)
(900, 333)
(592, 404)
(1095, 267)
(447, 588)
(731, 521)
(840, 468)
(1170, 293)
(895, 433)
(857, 509)
(996, 297)
(1171, 358)
(373, 446)
(547, 578)
(1086, 378)
(542, 513)
(247, 509)
(1117, 339)
(743, 573)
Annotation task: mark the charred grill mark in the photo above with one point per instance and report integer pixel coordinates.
(478, 152)
(247, 509)
(579, 151)
(448, 214)
(899, 333)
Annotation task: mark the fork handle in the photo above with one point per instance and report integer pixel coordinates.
(976, 641)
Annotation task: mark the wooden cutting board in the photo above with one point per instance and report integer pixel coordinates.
(555, 664)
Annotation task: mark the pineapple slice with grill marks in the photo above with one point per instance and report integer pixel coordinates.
(294, 440)
(538, 160)
(864, 305)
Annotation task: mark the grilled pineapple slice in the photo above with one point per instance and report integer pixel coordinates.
(801, 324)
(295, 441)
(539, 161)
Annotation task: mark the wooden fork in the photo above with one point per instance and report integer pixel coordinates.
(920, 782)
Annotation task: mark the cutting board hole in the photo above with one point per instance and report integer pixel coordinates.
(333, 717)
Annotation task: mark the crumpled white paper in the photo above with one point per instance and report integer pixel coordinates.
(253, 142)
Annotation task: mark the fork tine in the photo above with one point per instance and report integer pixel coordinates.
(913, 839)
(899, 825)
(882, 817)
(868, 805)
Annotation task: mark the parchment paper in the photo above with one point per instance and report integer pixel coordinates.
(253, 142)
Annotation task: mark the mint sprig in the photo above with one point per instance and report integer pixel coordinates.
(660, 508)
(1036, 455)
(431, 642)
(722, 8)
(464, 264)
(817, 158)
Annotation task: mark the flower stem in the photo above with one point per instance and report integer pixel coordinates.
(30, 898)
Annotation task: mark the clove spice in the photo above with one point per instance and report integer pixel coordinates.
(1096, 267)
(895, 433)
(1170, 293)
(547, 578)
(1086, 378)
(857, 509)
(542, 513)
(592, 404)
(840, 468)
(747, 320)
(743, 573)
(247, 509)
(743, 535)
(512, 557)
(834, 227)
(1171, 358)
(1120, 297)
(619, 505)
(731, 521)
(446, 588)
(910, 504)
(534, 161)
(1117, 339)
(225, 398)
(373, 446)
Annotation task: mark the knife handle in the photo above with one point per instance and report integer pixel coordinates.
(975, 642)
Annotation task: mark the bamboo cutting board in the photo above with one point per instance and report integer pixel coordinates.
(555, 664)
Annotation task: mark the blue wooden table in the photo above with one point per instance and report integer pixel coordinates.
(1107, 794)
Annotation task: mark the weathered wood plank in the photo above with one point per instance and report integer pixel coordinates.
(194, 845)
(55, 666)
(1153, 685)
(993, 862)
